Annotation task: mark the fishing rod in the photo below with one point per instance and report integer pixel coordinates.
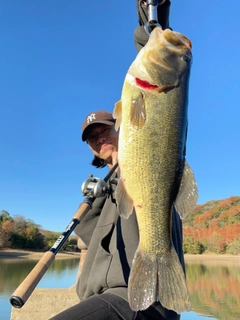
(92, 188)
(152, 15)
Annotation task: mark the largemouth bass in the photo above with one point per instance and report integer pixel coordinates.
(152, 116)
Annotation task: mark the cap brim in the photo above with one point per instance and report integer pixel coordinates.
(85, 131)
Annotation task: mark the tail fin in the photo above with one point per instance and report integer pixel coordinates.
(158, 278)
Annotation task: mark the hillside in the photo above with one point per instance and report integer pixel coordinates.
(213, 227)
(20, 233)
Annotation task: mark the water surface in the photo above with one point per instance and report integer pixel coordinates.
(61, 274)
(214, 287)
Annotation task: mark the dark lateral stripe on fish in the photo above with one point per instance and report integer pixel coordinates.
(145, 84)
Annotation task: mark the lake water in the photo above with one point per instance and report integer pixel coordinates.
(214, 287)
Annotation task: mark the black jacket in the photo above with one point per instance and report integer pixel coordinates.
(112, 242)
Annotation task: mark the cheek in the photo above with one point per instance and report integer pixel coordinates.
(116, 143)
(93, 148)
(115, 138)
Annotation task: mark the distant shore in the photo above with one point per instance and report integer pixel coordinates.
(34, 255)
(25, 254)
(211, 257)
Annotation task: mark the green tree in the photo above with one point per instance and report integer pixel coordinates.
(18, 235)
(192, 246)
(234, 247)
(26, 234)
(31, 233)
(51, 237)
(4, 216)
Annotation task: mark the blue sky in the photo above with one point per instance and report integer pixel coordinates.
(60, 60)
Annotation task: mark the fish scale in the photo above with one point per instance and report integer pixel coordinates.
(152, 116)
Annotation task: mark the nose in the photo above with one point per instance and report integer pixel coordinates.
(101, 139)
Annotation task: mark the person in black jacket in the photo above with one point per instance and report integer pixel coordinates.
(112, 241)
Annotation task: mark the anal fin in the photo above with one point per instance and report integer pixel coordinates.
(188, 192)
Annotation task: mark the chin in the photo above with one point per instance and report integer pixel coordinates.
(107, 152)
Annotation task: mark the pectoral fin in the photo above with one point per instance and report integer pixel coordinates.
(124, 202)
(188, 192)
(117, 114)
(138, 112)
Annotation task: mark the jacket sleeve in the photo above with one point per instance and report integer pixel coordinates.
(85, 228)
(177, 236)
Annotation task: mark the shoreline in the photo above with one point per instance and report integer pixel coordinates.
(35, 255)
(27, 254)
(211, 257)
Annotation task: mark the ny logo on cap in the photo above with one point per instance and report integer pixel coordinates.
(91, 117)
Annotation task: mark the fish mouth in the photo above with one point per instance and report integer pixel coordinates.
(173, 41)
(174, 38)
(160, 53)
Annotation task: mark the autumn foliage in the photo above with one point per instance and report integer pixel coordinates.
(214, 288)
(213, 227)
(20, 233)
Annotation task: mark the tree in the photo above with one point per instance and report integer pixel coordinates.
(26, 234)
(234, 247)
(20, 224)
(192, 246)
(4, 216)
(6, 230)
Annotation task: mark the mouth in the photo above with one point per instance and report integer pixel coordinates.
(176, 39)
(103, 146)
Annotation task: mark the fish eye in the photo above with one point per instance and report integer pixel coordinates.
(185, 58)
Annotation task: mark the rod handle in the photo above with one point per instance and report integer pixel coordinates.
(25, 289)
